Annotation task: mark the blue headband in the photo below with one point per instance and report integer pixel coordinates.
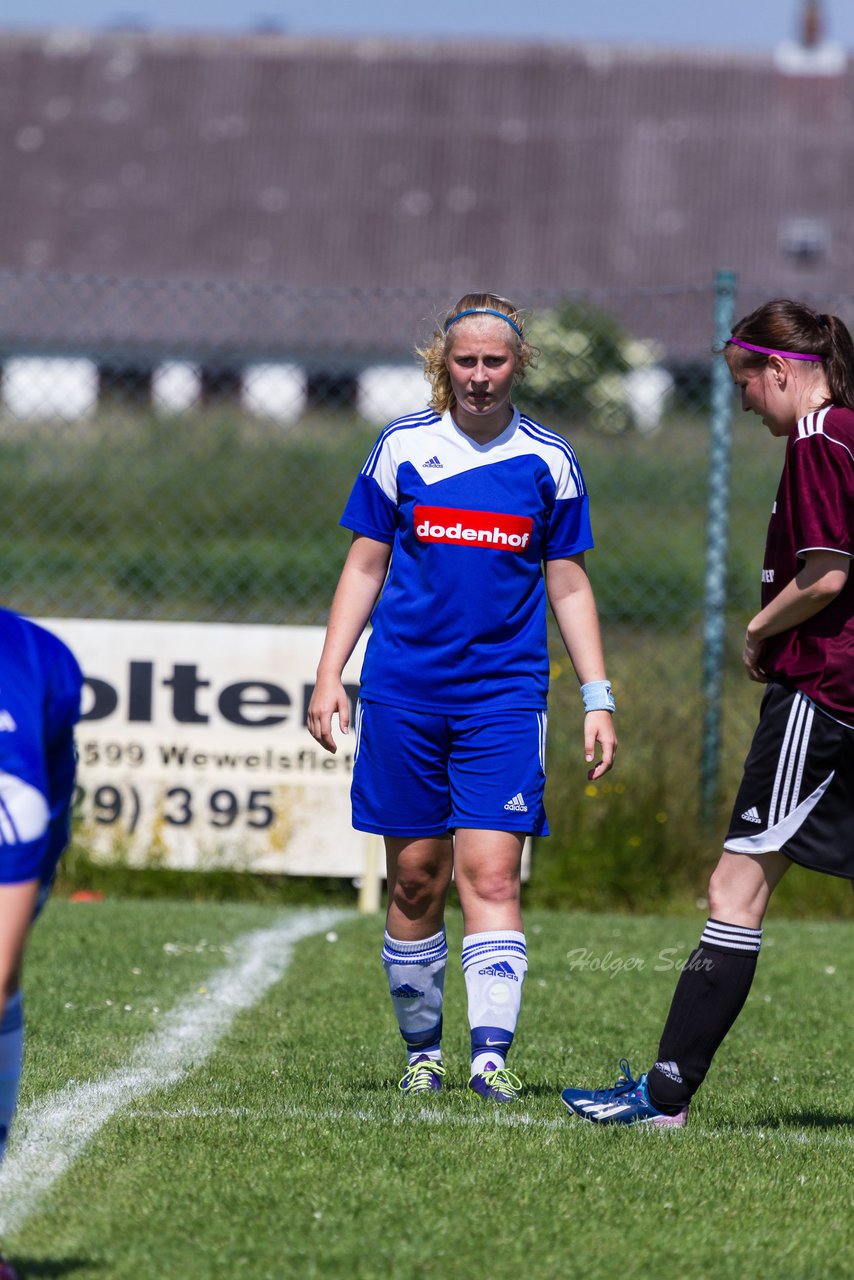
(484, 311)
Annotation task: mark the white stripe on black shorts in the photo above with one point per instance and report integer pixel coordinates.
(797, 792)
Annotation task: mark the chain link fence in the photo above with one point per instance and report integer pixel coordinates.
(176, 450)
(171, 450)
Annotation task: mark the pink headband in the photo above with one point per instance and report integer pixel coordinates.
(771, 351)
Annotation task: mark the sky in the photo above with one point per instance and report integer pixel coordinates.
(746, 25)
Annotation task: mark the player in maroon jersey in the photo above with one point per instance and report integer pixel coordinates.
(795, 369)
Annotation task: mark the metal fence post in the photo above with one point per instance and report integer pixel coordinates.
(714, 612)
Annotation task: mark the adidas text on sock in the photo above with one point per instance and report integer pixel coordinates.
(416, 979)
(494, 965)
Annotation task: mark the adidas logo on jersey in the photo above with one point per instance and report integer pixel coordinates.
(517, 804)
(432, 462)
(405, 992)
(7, 722)
(500, 970)
(752, 815)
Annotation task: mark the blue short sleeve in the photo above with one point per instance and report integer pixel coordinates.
(569, 531)
(369, 511)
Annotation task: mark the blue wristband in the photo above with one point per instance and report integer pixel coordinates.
(597, 696)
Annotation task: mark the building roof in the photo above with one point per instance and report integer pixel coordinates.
(285, 166)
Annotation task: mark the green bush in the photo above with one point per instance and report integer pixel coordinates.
(579, 376)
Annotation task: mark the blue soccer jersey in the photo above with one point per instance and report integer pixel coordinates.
(462, 617)
(40, 685)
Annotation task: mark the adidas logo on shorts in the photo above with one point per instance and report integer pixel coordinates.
(752, 815)
(517, 804)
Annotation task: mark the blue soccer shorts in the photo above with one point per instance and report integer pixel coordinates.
(422, 773)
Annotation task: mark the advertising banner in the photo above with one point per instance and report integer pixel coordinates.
(193, 750)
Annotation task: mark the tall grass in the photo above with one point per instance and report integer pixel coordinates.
(216, 515)
(221, 517)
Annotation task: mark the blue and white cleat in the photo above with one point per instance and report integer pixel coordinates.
(626, 1103)
(424, 1075)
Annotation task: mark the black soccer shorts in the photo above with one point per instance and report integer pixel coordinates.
(797, 792)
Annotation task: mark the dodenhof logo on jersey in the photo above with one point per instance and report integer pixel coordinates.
(473, 528)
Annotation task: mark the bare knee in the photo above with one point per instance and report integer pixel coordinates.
(419, 889)
(415, 888)
(737, 896)
(495, 886)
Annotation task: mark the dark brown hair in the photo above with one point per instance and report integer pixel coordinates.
(785, 325)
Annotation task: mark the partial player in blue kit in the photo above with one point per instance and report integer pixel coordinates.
(40, 686)
(468, 517)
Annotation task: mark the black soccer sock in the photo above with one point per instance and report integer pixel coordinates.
(709, 996)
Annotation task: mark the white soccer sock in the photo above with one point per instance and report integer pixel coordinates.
(494, 964)
(11, 1060)
(416, 982)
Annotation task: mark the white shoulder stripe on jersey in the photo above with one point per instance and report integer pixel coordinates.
(813, 423)
(399, 424)
(421, 419)
(544, 436)
(539, 432)
(545, 432)
(24, 812)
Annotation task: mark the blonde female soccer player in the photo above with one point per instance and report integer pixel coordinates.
(467, 517)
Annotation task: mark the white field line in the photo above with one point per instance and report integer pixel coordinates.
(488, 1118)
(50, 1134)
(492, 1118)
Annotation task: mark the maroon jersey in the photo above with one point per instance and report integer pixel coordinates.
(814, 511)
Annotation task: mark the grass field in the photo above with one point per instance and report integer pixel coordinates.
(210, 1091)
